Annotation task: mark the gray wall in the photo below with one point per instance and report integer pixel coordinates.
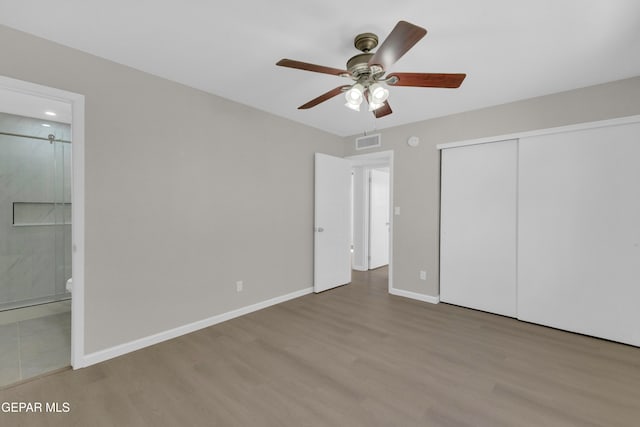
(417, 170)
(34, 260)
(185, 194)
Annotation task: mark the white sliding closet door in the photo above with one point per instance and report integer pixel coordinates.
(579, 232)
(478, 227)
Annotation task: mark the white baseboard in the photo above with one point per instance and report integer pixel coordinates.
(119, 350)
(359, 268)
(415, 295)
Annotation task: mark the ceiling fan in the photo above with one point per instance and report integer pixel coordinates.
(367, 69)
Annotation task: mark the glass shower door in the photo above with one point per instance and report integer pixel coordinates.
(35, 233)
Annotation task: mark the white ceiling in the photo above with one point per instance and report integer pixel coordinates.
(22, 104)
(509, 49)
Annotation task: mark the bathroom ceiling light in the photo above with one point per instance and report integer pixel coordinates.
(46, 125)
(50, 113)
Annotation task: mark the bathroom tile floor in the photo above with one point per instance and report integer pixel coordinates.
(34, 340)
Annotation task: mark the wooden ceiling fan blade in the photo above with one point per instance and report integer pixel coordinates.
(427, 79)
(323, 97)
(290, 63)
(402, 38)
(385, 110)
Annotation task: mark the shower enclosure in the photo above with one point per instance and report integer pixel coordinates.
(35, 211)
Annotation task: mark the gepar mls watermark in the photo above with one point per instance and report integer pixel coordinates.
(35, 407)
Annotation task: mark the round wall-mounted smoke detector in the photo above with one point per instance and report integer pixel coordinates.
(413, 141)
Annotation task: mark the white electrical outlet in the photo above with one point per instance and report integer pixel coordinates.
(239, 285)
(423, 275)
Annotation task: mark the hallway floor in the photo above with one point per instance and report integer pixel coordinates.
(34, 340)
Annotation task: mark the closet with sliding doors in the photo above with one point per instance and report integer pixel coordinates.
(545, 227)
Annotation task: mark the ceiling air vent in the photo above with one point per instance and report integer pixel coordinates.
(369, 141)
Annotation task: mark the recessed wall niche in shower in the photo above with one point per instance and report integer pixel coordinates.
(35, 211)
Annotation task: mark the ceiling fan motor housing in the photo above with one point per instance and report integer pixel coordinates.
(359, 64)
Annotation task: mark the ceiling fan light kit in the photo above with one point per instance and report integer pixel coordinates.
(378, 93)
(354, 96)
(373, 106)
(354, 107)
(367, 69)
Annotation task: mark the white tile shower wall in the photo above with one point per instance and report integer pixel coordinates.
(32, 258)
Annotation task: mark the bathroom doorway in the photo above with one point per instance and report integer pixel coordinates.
(35, 235)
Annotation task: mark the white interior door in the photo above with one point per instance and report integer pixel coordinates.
(478, 227)
(332, 257)
(379, 218)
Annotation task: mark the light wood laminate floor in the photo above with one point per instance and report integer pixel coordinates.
(353, 356)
